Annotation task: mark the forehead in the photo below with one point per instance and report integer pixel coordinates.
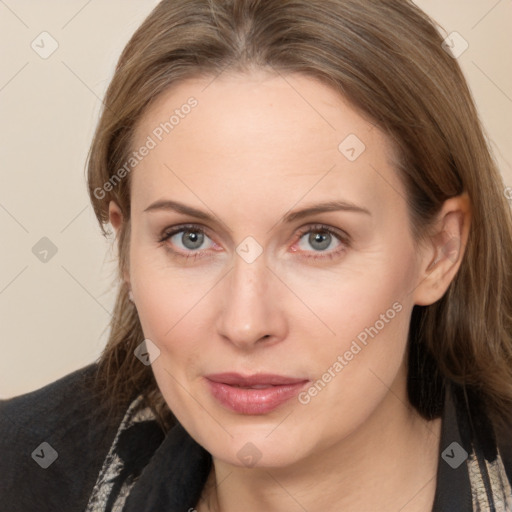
(260, 136)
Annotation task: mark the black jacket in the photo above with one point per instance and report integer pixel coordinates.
(58, 454)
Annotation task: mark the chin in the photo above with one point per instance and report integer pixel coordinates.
(255, 448)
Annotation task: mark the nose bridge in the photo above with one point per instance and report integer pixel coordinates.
(247, 290)
(249, 310)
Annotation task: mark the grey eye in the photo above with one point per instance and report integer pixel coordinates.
(320, 240)
(192, 239)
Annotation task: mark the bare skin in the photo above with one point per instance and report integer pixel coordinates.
(250, 152)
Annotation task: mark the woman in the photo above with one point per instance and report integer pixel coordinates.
(315, 302)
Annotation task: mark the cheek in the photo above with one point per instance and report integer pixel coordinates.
(172, 303)
(167, 307)
(370, 315)
(161, 289)
(370, 335)
(358, 300)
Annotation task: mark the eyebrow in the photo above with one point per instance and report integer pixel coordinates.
(329, 206)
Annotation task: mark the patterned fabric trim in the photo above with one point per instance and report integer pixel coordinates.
(113, 464)
(500, 486)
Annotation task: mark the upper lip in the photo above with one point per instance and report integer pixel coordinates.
(236, 379)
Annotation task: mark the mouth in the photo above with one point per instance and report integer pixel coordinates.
(253, 394)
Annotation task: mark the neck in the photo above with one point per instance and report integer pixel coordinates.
(387, 464)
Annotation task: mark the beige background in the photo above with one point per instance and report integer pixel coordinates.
(54, 315)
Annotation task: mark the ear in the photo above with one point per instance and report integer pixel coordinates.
(441, 255)
(116, 218)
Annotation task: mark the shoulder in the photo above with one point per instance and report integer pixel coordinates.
(42, 402)
(53, 442)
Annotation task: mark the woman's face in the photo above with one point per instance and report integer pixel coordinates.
(257, 284)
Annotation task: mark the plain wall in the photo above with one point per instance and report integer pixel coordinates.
(54, 314)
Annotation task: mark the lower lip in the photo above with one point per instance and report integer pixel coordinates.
(254, 401)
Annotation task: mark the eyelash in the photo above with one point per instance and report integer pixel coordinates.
(340, 235)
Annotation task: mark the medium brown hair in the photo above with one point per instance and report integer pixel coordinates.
(386, 58)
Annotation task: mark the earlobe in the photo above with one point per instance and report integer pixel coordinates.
(443, 257)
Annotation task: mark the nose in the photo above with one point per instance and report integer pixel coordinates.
(250, 306)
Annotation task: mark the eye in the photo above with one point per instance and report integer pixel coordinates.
(189, 240)
(186, 238)
(321, 238)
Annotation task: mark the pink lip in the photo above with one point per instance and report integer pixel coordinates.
(237, 392)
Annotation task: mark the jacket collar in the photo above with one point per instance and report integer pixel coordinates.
(471, 475)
